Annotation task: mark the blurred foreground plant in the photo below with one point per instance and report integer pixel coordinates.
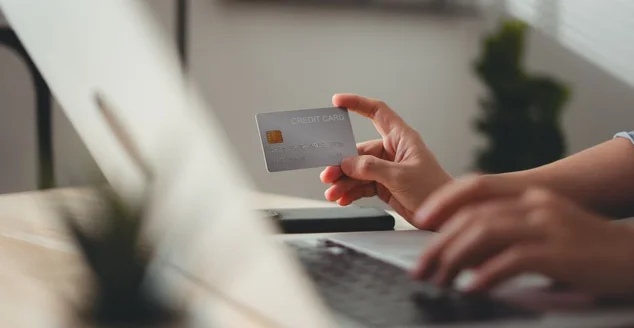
(122, 295)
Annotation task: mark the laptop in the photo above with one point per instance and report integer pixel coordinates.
(213, 249)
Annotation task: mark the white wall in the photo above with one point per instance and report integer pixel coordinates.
(18, 140)
(18, 144)
(17, 115)
(601, 104)
(17, 130)
(249, 59)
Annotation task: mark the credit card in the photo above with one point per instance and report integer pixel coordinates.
(305, 138)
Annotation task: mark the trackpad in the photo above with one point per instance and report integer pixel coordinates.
(402, 248)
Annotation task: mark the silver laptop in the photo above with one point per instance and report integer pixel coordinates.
(214, 249)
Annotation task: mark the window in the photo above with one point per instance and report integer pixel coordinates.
(600, 30)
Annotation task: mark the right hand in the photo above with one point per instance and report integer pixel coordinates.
(398, 168)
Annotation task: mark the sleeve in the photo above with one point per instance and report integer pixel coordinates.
(626, 135)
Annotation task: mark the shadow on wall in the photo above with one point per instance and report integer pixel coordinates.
(601, 103)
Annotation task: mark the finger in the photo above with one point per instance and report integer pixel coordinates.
(384, 118)
(543, 198)
(358, 192)
(463, 221)
(371, 147)
(371, 168)
(342, 186)
(399, 208)
(443, 203)
(428, 262)
(331, 174)
(334, 173)
(482, 241)
(524, 258)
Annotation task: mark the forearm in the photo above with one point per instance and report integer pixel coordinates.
(600, 178)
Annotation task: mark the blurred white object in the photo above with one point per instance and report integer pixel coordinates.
(206, 228)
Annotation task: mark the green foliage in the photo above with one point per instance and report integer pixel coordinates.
(122, 294)
(520, 118)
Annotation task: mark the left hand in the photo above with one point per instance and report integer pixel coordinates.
(534, 231)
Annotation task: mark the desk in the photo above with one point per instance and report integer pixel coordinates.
(38, 261)
(29, 217)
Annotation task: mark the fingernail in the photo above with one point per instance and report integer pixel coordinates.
(346, 163)
(327, 194)
(421, 216)
(423, 270)
(471, 288)
(347, 166)
(474, 286)
(419, 271)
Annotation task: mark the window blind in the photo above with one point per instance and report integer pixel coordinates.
(602, 31)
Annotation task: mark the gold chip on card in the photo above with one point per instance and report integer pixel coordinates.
(274, 137)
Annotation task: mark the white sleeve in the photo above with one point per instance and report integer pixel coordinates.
(626, 135)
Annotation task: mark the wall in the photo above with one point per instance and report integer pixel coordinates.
(18, 141)
(74, 165)
(18, 155)
(249, 59)
(601, 105)
(17, 132)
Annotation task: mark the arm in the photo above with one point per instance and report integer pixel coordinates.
(401, 170)
(600, 178)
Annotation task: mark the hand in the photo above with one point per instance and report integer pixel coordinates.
(398, 168)
(447, 200)
(534, 231)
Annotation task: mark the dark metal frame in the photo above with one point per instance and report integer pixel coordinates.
(182, 6)
(46, 170)
(43, 109)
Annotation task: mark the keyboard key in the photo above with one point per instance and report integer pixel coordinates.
(379, 294)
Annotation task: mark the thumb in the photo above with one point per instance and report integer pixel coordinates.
(369, 168)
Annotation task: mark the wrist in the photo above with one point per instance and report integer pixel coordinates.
(628, 226)
(434, 182)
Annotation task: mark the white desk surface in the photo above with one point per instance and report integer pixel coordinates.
(38, 260)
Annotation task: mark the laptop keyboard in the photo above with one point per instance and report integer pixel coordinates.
(379, 294)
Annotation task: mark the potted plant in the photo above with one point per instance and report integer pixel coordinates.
(521, 114)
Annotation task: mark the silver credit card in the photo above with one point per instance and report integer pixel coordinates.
(305, 138)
